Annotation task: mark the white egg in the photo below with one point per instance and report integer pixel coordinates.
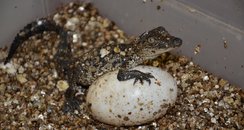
(121, 103)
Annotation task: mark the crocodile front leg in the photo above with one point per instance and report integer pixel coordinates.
(124, 75)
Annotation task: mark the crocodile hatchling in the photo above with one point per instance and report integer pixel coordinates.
(98, 61)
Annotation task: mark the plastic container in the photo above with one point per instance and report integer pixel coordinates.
(216, 26)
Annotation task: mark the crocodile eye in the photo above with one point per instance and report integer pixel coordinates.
(151, 40)
(164, 33)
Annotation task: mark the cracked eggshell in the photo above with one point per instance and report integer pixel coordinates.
(121, 103)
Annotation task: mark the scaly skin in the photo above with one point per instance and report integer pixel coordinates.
(101, 60)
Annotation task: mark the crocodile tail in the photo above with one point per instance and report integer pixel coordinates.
(34, 28)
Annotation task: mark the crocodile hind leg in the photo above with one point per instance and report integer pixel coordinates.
(71, 101)
(65, 66)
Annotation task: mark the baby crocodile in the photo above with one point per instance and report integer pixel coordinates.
(98, 61)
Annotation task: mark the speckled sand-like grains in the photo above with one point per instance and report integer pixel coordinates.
(31, 98)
